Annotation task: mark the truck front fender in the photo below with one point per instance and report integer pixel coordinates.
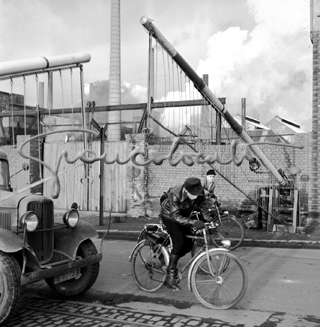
(67, 240)
(10, 242)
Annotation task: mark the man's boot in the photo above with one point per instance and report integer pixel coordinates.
(172, 273)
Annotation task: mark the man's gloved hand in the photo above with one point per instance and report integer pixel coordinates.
(198, 224)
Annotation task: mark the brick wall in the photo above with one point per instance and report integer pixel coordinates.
(241, 181)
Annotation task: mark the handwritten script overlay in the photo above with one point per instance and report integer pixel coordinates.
(136, 156)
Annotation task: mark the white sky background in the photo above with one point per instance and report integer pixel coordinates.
(254, 49)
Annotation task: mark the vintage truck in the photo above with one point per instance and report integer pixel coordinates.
(34, 246)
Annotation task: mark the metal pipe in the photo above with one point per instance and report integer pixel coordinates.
(84, 126)
(147, 122)
(102, 149)
(38, 71)
(121, 107)
(243, 113)
(26, 65)
(208, 94)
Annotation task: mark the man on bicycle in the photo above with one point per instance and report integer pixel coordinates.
(176, 214)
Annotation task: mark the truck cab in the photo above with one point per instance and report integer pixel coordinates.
(35, 245)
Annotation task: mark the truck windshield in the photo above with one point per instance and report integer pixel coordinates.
(4, 175)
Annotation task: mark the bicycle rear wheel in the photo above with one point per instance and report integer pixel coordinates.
(148, 265)
(157, 229)
(225, 287)
(228, 229)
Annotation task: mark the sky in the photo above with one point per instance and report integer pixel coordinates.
(254, 49)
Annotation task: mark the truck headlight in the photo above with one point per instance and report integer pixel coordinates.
(29, 220)
(71, 218)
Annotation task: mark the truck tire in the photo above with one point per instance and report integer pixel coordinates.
(10, 289)
(88, 274)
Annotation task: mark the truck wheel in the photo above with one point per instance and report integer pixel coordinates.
(10, 289)
(88, 274)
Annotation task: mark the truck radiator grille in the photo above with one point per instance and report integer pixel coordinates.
(5, 220)
(42, 240)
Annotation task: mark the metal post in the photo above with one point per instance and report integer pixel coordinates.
(243, 113)
(218, 127)
(83, 108)
(84, 125)
(102, 131)
(147, 122)
(101, 200)
(50, 95)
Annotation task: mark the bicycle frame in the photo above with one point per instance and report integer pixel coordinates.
(200, 253)
(218, 217)
(165, 240)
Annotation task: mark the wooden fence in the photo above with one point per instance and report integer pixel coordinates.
(73, 185)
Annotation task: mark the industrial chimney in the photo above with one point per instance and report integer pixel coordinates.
(115, 72)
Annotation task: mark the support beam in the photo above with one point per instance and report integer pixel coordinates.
(121, 107)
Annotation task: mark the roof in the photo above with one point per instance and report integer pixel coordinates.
(287, 121)
(252, 121)
(290, 124)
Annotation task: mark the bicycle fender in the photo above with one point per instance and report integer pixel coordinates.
(198, 257)
(148, 227)
(140, 235)
(130, 257)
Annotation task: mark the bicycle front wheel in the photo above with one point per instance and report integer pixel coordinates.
(148, 265)
(229, 228)
(220, 282)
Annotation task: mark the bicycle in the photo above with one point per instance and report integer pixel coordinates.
(216, 276)
(226, 227)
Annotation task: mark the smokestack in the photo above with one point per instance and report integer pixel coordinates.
(115, 72)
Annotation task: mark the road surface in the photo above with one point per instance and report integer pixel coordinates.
(283, 290)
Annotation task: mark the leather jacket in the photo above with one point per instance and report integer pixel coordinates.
(178, 206)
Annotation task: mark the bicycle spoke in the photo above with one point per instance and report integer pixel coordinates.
(225, 287)
(148, 269)
(228, 228)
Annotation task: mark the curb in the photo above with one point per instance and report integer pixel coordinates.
(246, 240)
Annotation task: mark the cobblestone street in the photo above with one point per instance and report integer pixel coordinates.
(50, 313)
